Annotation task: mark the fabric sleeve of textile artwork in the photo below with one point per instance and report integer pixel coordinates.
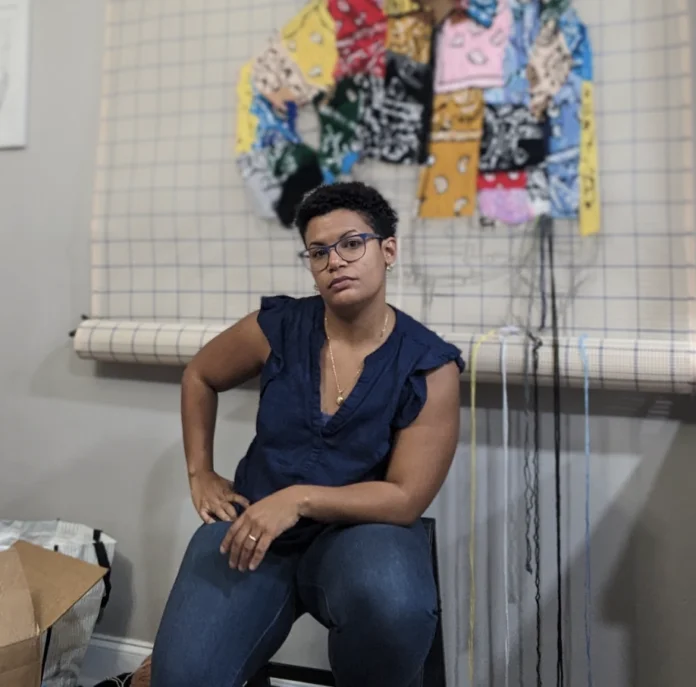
(493, 99)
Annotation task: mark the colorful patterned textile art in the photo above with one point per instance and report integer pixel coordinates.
(493, 99)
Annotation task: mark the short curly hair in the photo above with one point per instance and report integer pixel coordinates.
(365, 200)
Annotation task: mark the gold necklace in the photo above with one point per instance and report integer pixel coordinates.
(340, 398)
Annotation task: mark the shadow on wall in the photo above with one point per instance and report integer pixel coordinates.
(643, 632)
(122, 599)
(64, 376)
(603, 402)
(171, 522)
(661, 559)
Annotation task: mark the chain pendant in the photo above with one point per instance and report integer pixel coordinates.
(340, 398)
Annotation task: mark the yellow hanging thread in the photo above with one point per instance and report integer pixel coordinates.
(472, 502)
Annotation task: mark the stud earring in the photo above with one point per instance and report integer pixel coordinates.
(390, 268)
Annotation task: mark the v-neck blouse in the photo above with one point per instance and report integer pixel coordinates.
(295, 442)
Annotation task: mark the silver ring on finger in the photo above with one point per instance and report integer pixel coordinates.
(253, 538)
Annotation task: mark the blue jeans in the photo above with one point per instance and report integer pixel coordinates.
(371, 585)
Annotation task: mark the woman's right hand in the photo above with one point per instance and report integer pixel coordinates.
(213, 497)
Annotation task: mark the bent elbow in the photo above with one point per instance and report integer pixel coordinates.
(190, 374)
(193, 378)
(407, 520)
(409, 514)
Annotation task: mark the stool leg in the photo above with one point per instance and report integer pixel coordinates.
(434, 671)
(261, 679)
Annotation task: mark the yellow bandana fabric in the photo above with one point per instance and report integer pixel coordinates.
(310, 40)
(589, 210)
(247, 122)
(396, 7)
(410, 36)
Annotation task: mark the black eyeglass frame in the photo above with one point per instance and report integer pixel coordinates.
(305, 254)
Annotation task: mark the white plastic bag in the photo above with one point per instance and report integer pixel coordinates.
(65, 644)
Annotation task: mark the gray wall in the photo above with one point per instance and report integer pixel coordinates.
(102, 445)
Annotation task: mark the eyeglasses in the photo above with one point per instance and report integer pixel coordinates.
(349, 248)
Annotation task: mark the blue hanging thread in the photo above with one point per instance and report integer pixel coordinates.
(582, 345)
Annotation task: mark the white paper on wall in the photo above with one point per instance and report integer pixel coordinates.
(14, 72)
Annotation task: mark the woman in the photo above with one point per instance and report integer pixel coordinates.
(357, 426)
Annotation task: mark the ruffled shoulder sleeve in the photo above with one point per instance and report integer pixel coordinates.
(276, 317)
(273, 317)
(431, 353)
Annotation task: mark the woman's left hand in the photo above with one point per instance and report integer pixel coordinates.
(249, 537)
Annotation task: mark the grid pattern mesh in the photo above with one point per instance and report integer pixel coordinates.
(175, 238)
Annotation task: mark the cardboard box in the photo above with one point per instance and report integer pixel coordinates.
(37, 587)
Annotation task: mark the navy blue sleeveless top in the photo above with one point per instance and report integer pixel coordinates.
(295, 442)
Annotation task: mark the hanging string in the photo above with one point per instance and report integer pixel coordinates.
(504, 333)
(527, 470)
(588, 567)
(472, 501)
(532, 509)
(542, 275)
(537, 519)
(529, 489)
(506, 501)
(547, 229)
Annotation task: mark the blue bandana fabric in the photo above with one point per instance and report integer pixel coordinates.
(274, 127)
(525, 27)
(564, 121)
(564, 150)
(482, 11)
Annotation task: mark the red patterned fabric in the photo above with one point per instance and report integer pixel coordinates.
(507, 180)
(361, 33)
(352, 16)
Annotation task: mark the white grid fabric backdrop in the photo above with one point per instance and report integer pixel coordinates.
(175, 238)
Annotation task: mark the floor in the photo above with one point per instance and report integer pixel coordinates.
(108, 657)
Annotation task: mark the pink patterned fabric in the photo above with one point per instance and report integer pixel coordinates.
(510, 206)
(471, 56)
(503, 196)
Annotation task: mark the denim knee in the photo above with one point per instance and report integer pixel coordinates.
(386, 606)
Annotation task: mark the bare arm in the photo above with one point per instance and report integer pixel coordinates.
(230, 359)
(420, 461)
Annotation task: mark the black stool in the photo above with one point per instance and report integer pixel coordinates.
(432, 674)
